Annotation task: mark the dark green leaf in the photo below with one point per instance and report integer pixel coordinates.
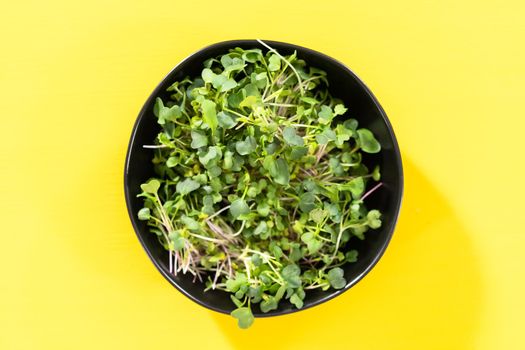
(351, 256)
(307, 202)
(368, 142)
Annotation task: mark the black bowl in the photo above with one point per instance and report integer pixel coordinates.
(344, 84)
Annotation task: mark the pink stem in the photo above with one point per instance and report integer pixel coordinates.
(371, 191)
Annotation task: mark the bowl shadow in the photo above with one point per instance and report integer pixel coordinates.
(425, 293)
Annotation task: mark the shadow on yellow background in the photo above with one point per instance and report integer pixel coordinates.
(424, 294)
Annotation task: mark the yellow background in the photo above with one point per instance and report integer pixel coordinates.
(73, 76)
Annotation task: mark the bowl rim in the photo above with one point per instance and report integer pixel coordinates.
(243, 42)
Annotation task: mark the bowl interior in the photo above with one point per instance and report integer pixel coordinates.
(361, 105)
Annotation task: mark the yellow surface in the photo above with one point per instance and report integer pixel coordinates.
(73, 76)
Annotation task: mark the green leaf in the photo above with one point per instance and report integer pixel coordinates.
(307, 202)
(198, 139)
(226, 60)
(298, 152)
(351, 124)
(336, 168)
(209, 155)
(291, 274)
(278, 170)
(290, 137)
(236, 301)
(247, 146)
(275, 249)
(374, 219)
(214, 171)
(165, 113)
(144, 214)
(172, 162)
(252, 56)
(280, 292)
(356, 186)
(313, 244)
(340, 109)
(260, 80)
(326, 136)
(218, 80)
(261, 228)
(228, 85)
(376, 174)
(234, 284)
(236, 66)
(177, 242)
(190, 223)
(274, 63)
(249, 101)
(317, 215)
(368, 142)
(297, 301)
(336, 278)
(342, 134)
(333, 211)
(325, 115)
(207, 75)
(187, 186)
(201, 178)
(235, 99)
(225, 120)
(263, 209)
(152, 186)
(269, 304)
(351, 256)
(238, 208)
(209, 115)
(244, 317)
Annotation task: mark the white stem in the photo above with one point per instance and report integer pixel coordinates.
(240, 230)
(285, 61)
(217, 213)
